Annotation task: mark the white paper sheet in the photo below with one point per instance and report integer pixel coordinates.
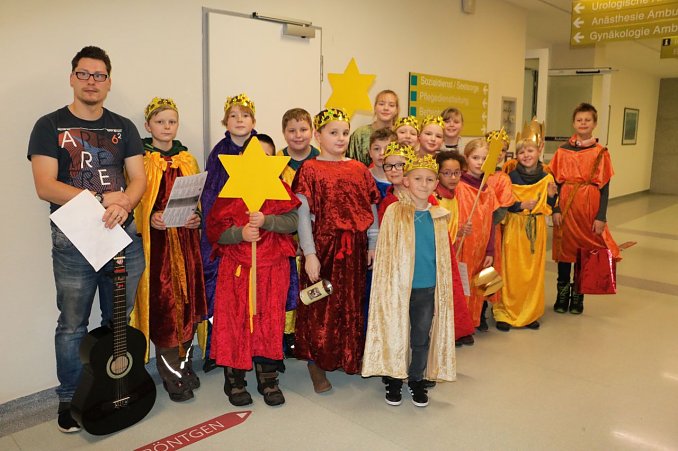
(463, 272)
(183, 199)
(80, 220)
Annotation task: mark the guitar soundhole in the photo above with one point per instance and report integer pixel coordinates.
(119, 366)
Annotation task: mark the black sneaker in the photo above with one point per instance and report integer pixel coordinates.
(429, 384)
(483, 327)
(419, 393)
(65, 421)
(394, 395)
(503, 326)
(467, 340)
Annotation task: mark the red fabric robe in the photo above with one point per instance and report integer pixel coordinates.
(340, 193)
(233, 344)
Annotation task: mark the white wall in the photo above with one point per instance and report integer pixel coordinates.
(630, 88)
(155, 48)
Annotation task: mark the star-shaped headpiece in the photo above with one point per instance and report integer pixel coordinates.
(407, 120)
(533, 131)
(401, 150)
(425, 162)
(500, 135)
(438, 120)
(157, 103)
(329, 115)
(240, 99)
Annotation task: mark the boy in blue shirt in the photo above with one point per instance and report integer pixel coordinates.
(411, 302)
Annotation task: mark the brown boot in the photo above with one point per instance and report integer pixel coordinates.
(187, 372)
(168, 362)
(234, 387)
(320, 382)
(267, 384)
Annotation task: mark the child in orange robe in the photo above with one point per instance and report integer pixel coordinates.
(582, 169)
(477, 250)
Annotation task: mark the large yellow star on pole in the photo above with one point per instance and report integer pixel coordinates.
(350, 90)
(254, 176)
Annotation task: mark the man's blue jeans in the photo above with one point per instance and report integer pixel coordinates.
(76, 283)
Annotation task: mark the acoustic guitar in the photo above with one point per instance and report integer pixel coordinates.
(115, 390)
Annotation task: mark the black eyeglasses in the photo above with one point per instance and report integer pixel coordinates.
(390, 167)
(449, 173)
(84, 75)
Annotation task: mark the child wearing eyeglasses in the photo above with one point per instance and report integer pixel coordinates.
(378, 142)
(239, 122)
(395, 158)
(451, 166)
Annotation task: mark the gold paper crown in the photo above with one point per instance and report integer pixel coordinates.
(159, 102)
(425, 162)
(532, 131)
(438, 120)
(329, 115)
(500, 135)
(407, 120)
(401, 150)
(240, 99)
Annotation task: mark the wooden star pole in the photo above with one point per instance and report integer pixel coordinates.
(254, 177)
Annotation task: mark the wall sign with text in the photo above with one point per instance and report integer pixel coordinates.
(595, 21)
(431, 94)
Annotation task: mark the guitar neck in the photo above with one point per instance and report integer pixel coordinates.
(119, 305)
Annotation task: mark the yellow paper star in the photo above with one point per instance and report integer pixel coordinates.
(490, 164)
(350, 90)
(254, 176)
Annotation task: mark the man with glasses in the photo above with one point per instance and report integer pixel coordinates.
(84, 146)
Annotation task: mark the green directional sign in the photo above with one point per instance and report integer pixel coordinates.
(669, 48)
(595, 21)
(431, 94)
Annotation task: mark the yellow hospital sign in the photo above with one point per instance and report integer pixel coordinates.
(595, 21)
(431, 94)
(669, 48)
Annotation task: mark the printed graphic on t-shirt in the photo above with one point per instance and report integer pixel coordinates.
(96, 158)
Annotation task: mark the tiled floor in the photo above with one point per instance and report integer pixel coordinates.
(607, 379)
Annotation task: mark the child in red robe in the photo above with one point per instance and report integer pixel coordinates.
(338, 192)
(240, 335)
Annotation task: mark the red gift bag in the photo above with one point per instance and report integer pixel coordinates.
(595, 272)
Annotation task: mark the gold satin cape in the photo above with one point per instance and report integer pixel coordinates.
(387, 346)
(155, 166)
(522, 297)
